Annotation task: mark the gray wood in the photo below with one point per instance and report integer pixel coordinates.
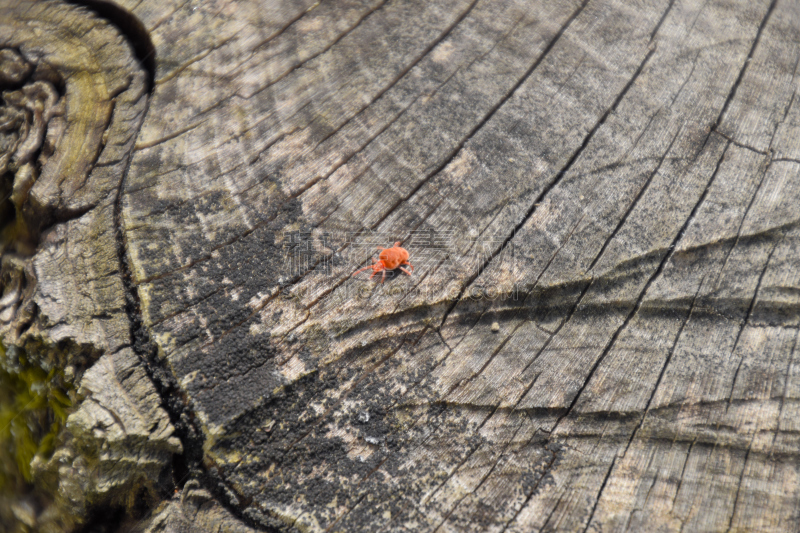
(600, 202)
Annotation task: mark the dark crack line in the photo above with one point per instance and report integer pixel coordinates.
(739, 78)
(174, 403)
(429, 272)
(662, 372)
(741, 223)
(533, 490)
(575, 226)
(549, 340)
(526, 294)
(400, 76)
(397, 117)
(552, 258)
(649, 491)
(142, 344)
(643, 292)
(683, 472)
(358, 502)
(184, 169)
(361, 498)
(132, 30)
(286, 26)
(170, 136)
(736, 240)
(488, 116)
(687, 80)
(186, 308)
(489, 360)
(740, 145)
(668, 256)
(180, 67)
(344, 280)
(120, 230)
(706, 467)
(457, 150)
(624, 159)
(739, 485)
(261, 222)
(461, 463)
(744, 219)
(147, 351)
(794, 93)
(345, 393)
(785, 390)
(168, 17)
(111, 413)
(426, 439)
(635, 201)
(559, 175)
(444, 341)
(600, 493)
(434, 269)
(221, 143)
(769, 150)
(300, 192)
(417, 419)
(553, 511)
(229, 96)
(451, 351)
(303, 189)
(344, 34)
(747, 319)
(661, 20)
(451, 156)
(485, 477)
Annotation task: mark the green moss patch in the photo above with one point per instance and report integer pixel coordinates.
(34, 404)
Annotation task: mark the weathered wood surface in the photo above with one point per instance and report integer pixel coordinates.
(601, 202)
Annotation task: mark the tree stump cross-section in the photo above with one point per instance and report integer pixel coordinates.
(600, 201)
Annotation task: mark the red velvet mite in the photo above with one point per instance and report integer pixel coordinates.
(389, 259)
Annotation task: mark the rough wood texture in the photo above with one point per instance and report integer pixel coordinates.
(74, 98)
(600, 201)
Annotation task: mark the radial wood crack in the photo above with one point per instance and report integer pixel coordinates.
(600, 332)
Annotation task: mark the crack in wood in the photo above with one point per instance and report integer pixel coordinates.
(563, 171)
(600, 493)
(735, 88)
(635, 201)
(746, 319)
(344, 34)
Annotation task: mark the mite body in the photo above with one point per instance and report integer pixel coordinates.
(389, 259)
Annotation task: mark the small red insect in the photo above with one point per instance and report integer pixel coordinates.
(389, 259)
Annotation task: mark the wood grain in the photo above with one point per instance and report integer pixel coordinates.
(613, 185)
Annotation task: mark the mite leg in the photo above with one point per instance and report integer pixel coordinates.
(362, 270)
